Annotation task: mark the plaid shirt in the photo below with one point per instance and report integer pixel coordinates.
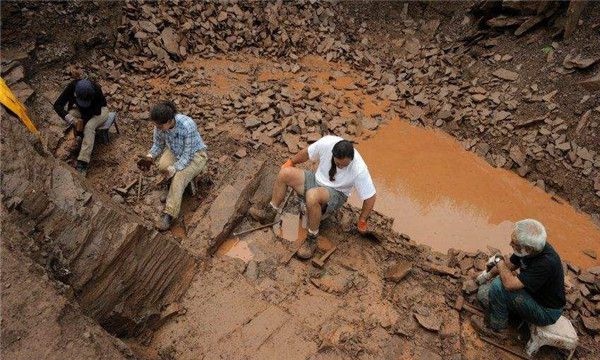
(183, 140)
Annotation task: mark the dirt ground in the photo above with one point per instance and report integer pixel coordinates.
(306, 71)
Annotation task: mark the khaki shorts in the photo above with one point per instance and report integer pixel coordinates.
(337, 199)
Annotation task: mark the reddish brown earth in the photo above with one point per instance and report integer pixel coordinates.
(258, 98)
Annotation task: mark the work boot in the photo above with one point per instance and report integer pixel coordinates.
(480, 326)
(164, 223)
(265, 215)
(82, 167)
(163, 196)
(308, 248)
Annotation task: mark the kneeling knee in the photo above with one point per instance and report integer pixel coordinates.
(497, 288)
(312, 197)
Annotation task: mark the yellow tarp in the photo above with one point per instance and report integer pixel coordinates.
(8, 99)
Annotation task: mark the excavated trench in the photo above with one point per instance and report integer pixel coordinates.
(123, 273)
(133, 281)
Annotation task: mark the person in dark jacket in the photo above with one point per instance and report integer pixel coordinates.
(82, 105)
(536, 294)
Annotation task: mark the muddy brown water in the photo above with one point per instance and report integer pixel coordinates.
(446, 197)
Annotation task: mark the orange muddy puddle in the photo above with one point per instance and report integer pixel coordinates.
(291, 228)
(236, 248)
(446, 197)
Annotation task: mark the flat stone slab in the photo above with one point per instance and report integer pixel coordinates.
(224, 213)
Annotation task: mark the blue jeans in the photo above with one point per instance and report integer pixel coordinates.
(501, 302)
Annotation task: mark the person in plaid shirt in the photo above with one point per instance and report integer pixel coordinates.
(183, 151)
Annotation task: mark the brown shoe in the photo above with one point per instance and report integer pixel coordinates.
(483, 329)
(164, 223)
(265, 215)
(307, 250)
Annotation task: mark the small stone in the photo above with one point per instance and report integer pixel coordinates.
(398, 271)
(591, 323)
(574, 268)
(170, 41)
(587, 277)
(517, 155)
(506, 74)
(500, 115)
(118, 199)
(251, 121)
(369, 123)
(431, 322)
(148, 26)
(389, 92)
(478, 98)
(241, 153)
(251, 272)
(470, 287)
(591, 253)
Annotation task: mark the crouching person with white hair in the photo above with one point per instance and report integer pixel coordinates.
(536, 294)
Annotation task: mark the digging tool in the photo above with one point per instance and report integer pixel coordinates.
(507, 349)
(139, 189)
(124, 190)
(321, 261)
(244, 232)
(460, 304)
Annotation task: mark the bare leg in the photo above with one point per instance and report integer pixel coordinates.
(316, 198)
(293, 177)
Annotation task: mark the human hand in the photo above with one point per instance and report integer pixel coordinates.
(483, 278)
(168, 172)
(70, 119)
(493, 261)
(362, 226)
(145, 163)
(287, 164)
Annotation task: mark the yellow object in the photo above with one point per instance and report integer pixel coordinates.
(8, 99)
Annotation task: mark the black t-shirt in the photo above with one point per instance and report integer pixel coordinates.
(543, 277)
(68, 98)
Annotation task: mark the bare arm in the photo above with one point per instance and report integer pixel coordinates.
(495, 272)
(367, 207)
(300, 157)
(509, 280)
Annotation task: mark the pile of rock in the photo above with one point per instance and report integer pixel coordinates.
(13, 74)
(174, 29)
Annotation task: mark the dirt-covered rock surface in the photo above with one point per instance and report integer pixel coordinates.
(263, 80)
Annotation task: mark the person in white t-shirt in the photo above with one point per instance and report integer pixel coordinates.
(341, 169)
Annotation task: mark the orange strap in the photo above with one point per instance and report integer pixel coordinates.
(8, 99)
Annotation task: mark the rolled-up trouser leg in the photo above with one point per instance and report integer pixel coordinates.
(89, 135)
(518, 302)
(483, 294)
(181, 180)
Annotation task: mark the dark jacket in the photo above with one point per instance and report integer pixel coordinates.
(67, 98)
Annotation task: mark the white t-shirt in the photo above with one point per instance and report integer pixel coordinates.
(355, 175)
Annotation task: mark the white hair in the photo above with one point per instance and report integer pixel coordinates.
(530, 232)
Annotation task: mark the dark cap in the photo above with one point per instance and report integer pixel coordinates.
(84, 93)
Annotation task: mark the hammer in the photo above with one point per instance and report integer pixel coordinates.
(321, 261)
